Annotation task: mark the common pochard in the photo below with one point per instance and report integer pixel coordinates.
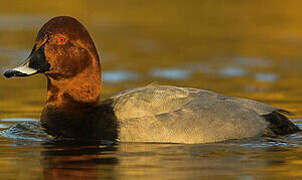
(65, 53)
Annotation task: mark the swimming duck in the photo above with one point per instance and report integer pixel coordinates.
(65, 53)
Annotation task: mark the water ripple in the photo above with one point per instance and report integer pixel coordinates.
(252, 61)
(119, 76)
(233, 71)
(30, 130)
(18, 119)
(171, 73)
(266, 77)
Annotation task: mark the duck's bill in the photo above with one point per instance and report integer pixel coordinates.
(20, 71)
(35, 63)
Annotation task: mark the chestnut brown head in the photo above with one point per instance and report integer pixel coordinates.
(63, 48)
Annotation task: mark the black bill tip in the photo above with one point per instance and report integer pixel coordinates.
(13, 73)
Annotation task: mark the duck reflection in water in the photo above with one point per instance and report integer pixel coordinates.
(70, 160)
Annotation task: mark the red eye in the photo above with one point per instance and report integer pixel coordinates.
(61, 40)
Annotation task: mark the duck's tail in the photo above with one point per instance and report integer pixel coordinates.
(279, 124)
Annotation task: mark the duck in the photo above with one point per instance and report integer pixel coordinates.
(65, 53)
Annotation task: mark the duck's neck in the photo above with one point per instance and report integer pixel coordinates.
(70, 105)
(78, 92)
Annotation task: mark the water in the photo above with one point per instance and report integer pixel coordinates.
(247, 49)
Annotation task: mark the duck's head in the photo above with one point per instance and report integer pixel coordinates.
(63, 49)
